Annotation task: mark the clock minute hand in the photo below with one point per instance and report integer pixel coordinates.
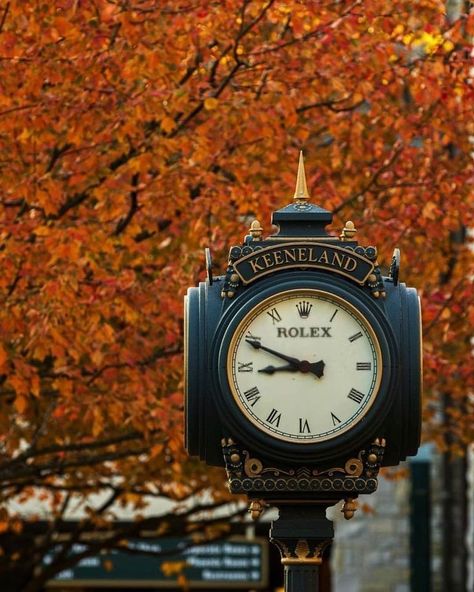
(258, 345)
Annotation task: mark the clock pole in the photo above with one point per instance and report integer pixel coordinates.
(301, 533)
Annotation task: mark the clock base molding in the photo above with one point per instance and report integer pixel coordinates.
(248, 474)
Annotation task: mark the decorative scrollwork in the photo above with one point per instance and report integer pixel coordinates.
(254, 241)
(252, 466)
(247, 474)
(354, 467)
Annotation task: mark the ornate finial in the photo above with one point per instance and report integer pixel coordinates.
(348, 231)
(255, 230)
(256, 508)
(349, 508)
(301, 191)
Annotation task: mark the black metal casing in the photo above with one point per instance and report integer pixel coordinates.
(212, 414)
(302, 256)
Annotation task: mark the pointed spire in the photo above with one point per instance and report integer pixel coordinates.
(301, 191)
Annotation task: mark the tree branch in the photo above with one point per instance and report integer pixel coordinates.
(372, 181)
(134, 207)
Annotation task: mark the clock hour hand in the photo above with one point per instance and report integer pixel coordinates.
(273, 369)
(317, 368)
(257, 345)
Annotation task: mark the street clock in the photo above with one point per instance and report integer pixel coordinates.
(302, 361)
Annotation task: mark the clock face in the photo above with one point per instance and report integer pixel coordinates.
(304, 366)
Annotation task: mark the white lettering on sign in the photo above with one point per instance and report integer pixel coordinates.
(230, 562)
(89, 562)
(225, 575)
(66, 574)
(204, 550)
(204, 562)
(236, 549)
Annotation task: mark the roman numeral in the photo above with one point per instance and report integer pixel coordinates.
(335, 419)
(252, 395)
(245, 367)
(364, 366)
(274, 315)
(274, 418)
(354, 337)
(249, 335)
(356, 396)
(333, 315)
(304, 426)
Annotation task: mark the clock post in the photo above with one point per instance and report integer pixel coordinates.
(303, 375)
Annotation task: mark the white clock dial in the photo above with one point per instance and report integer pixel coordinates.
(304, 366)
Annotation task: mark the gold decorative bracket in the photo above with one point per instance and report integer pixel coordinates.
(248, 474)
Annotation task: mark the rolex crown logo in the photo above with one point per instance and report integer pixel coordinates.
(304, 308)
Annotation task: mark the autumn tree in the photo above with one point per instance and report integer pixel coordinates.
(133, 133)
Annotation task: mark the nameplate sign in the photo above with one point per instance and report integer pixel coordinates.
(303, 255)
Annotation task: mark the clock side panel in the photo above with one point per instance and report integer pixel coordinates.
(413, 371)
(191, 371)
(211, 313)
(393, 428)
(403, 425)
(202, 423)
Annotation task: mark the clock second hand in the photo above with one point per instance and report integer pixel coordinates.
(304, 366)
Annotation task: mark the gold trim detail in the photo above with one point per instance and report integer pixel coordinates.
(354, 467)
(253, 466)
(359, 475)
(348, 232)
(349, 508)
(255, 230)
(304, 555)
(256, 509)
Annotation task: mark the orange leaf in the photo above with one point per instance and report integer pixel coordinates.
(211, 103)
(21, 403)
(3, 356)
(168, 124)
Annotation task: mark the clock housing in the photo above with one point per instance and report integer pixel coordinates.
(354, 406)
